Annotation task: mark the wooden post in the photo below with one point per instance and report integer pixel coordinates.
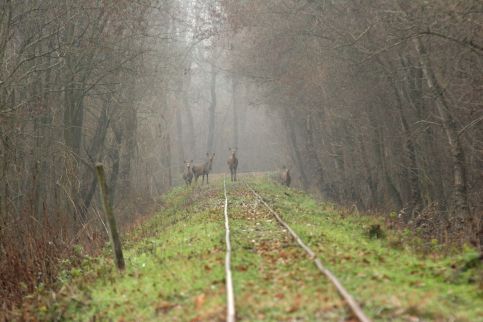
(115, 240)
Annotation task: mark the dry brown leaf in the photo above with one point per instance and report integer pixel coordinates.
(241, 268)
(200, 299)
(296, 304)
(164, 307)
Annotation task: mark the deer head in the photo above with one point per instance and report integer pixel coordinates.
(210, 160)
(188, 164)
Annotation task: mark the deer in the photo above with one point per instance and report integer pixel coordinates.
(285, 176)
(232, 163)
(188, 174)
(203, 169)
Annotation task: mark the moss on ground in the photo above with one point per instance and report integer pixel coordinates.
(175, 267)
(392, 283)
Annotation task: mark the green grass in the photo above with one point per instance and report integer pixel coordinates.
(273, 279)
(175, 266)
(174, 269)
(391, 283)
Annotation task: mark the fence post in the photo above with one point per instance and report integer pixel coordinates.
(115, 240)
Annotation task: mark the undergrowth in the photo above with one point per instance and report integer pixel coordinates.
(396, 275)
(175, 266)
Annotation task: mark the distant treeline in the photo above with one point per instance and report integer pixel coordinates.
(381, 101)
(75, 76)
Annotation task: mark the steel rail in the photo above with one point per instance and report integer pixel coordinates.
(230, 296)
(353, 305)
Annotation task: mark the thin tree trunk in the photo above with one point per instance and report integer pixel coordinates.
(415, 201)
(168, 159)
(190, 127)
(370, 180)
(412, 90)
(291, 136)
(456, 148)
(235, 85)
(413, 173)
(94, 154)
(115, 156)
(179, 138)
(389, 186)
(129, 127)
(211, 111)
(312, 154)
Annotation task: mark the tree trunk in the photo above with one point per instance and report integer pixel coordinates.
(179, 138)
(235, 85)
(369, 176)
(211, 111)
(167, 158)
(456, 149)
(412, 169)
(190, 127)
(389, 186)
(415, 203)
(179, 125)
(292, 139)
(94, 154)
(312, 156)
(413, 92)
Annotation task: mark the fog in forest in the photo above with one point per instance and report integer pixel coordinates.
(372, 105)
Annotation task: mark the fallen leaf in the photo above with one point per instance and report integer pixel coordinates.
(200, 299)
(296, 305)
(241, 268)
(164, 307)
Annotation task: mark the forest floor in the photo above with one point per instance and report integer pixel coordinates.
(175, 266)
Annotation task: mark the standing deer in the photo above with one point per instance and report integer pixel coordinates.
(285, 176)
(232, 163)
(188, 174)
(203, 169)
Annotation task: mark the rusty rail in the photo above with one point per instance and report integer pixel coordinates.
(230, 295)
(351, 302)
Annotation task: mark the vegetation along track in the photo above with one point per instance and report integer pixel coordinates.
(354, 306)
(176, 266)
(230, 313)
(269, 241)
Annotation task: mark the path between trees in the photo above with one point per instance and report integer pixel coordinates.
(175, 266)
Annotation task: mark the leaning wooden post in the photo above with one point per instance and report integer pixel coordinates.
(115, 240)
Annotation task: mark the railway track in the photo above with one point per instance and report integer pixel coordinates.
(344, 294)
(230, 294)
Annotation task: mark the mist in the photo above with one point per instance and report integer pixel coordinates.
(374, 106)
